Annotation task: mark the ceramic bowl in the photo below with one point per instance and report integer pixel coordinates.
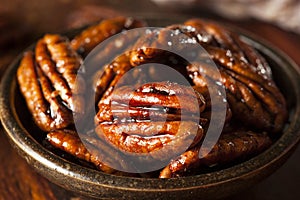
(26, 138)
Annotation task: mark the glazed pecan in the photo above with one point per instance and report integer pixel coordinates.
(89, 38)
(252, 94)
(105, 81)
(69, 141)
(138, 103)
(163, 46)
(233, 147)
(150, 117)
(47, 110)
(47, 80)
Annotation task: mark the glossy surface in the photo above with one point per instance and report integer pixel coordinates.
(63, 172)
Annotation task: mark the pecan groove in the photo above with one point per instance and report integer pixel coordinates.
(47, 81)
(89, 38)
(229, 148)
(128, 120)
(69, 141)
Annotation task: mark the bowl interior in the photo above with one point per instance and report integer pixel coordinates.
(81, 177)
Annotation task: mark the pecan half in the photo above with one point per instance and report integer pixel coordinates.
(233, 147)
(252, 94)
(89, 38)
(69, 141)
(105, 81)
(47, 80)
(150, 117)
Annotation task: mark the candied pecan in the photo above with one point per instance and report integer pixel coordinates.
(47, 110)
(253, 100)
(236, 146)
(228, 40)
(253, 96)
(164, 94)
(163, 46)
(60, 63)
(105, 81)
(89, 38)
(48, 82)
(68, 141)
(129, 120)
(146, 137)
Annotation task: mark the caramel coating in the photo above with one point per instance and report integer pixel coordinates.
(136, 131)
(231, 147)
(46, 109)
(254, 98)
(89, 38)
(139, 101)
(48, 82)
(68, 141)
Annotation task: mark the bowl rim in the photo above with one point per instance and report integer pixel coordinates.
(32, 150)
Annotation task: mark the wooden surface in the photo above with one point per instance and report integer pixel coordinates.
(20, 181)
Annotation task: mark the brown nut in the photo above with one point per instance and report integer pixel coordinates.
(89, 38)
(131, 121)
(69, 141)
(233, 147)
(47, 80)
(252, 95)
